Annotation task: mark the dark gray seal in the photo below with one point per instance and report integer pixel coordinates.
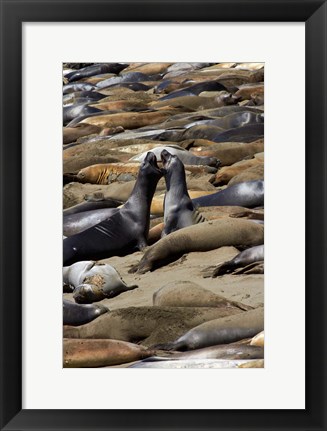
(95, 202)
(219, 331)
(76, 223)
(75, 314)
(126, 230)
(95, 69)
(178, 207)
(246, 257)
(249, 194)
(72, 111)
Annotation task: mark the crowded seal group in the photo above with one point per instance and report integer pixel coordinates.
(163, 215)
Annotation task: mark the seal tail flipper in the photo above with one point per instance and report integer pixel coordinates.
(197, 217)
(173, 345)
(224, 268)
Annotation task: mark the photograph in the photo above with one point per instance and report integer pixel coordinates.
(163, 214)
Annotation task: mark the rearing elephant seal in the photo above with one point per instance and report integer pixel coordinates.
(178, 207)
(124, 231)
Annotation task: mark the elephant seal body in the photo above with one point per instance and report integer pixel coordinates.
(246, 257)
(75, 223)
(100, 353)
(200, 237)
(147, 325)
(178, 206)
(93, 281)
(249, 194)
(189, 294)
(220, 331)
(93, 204)
(75, 314)
(124, 231)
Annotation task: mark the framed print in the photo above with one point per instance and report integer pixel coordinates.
(38, 39)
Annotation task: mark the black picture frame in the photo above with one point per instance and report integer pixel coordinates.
(13, 14)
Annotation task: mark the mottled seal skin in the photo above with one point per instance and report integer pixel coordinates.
(249, 194)
(220, 331)
(75, 314)
(94, 281)
(246, 257)
(75, 223)
(91, 95)
(81, 86)
(101, 353)
(126, 230)
(178, 206)
(200, 237)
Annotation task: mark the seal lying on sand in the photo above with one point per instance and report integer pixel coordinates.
(101, 353)
(178, 207)
(219, 331)
(249, 194)
(200, 237)
(189, 294)
(75, 314)
(246, 257)
(94, 281)
(148, 325)
(124, 231)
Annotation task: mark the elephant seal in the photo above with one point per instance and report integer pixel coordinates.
(80, 86)
(124, 231)
(195, 89)
(219, 331)
(200, 237)
(226, 173)
(75, 314)
(178, 207)
(251, 174)
(246, 133)
(246, 257)
(147, 325)
(222, 351)
(94, 281)
(75, 223)
(101, 353)
(189, 294)
(197, 363)
(95, 69)
(249, 194)
(184, 156)
(72, 111)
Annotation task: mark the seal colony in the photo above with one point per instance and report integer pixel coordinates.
(163, 215)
